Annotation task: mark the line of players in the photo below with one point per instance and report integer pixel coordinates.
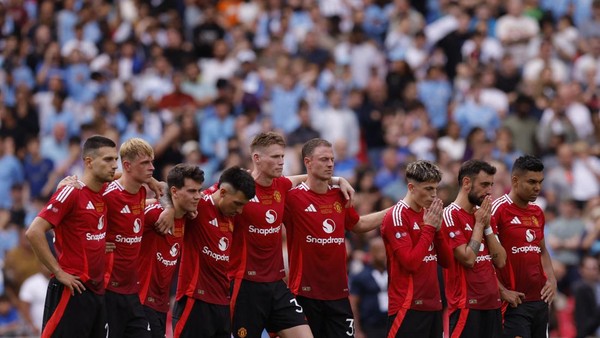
(231, 269)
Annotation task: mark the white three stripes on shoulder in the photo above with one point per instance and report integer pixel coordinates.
(499, 201)
(397, 213)
(448, 214)
(64, 194)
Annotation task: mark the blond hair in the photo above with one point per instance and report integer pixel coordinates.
(135, 147)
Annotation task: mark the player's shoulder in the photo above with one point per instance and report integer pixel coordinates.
(449, 213)
(153, 208)
(113, 188)
(501, 203)
(67, 193)
(300, 189)
(398, 212)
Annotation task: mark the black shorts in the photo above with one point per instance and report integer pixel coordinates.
(126, 317)
(528, 320)
(257, 306)
(81, 315)
(158, 322)
(328, 318)
(413, 323)
(194, 318)
(470, 323)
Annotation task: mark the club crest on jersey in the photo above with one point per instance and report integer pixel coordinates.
(337, 206)
(277, 196)
(101, 222)
(328, 226)
(223, 243)
(535, 221)
(137, 225)
(242, 332)
(270, 216)
(174, 250)
(529, 235)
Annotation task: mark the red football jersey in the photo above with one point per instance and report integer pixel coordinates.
(521, 232)
(79, 220)
(205, 257)
(256, 252)
(411, 260)
(468, 288)
(316, 225)
(158, 260)
(125, 221)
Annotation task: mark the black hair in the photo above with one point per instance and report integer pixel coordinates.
(527, 163)
(240, 180)
(96, 142)
(177, 175)
(472, 168)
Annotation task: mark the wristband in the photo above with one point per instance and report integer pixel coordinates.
(488, 231)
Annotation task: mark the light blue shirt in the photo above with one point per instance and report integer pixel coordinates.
(285, 107)
(11, 173)
(435, 95)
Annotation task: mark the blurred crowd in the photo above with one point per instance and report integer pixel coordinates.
(386, 81)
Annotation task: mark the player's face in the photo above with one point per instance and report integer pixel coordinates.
(141, 168)
(481, 186)
(423, 192)
(528, 185)
(269, 160)
(188, 196)
(320, 164)
(232, 202)
(104, 164)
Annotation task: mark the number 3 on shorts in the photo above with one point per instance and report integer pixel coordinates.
(298, 307)
(351, 326)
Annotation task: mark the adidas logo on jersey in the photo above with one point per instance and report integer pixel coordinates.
(515, 220)
(416, 226)
(125, 210)
(468, 227)
(214, 223)
(254, 199)
(311, 208)
(90, 206)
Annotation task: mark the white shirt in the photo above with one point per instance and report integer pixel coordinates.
(33, 291)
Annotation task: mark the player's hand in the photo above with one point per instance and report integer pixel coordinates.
(347, 191)
(484, 212)
(433, 214)
(70, 181)
(157, 187)
(513, 298)
(110, 247)
(70, 281)
(549, 291)
(166, 221)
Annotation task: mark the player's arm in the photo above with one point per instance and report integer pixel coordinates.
(370, 221)
(497, 251)
(549, 290)
(36, 234)
(166, 220)
(345, 186)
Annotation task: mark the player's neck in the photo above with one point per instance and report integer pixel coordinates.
(462, 200)
(130, 185)
(517, 201)
(412, 203)
(179, 211)
(91, 182)
(261, 178)
(317, 185)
